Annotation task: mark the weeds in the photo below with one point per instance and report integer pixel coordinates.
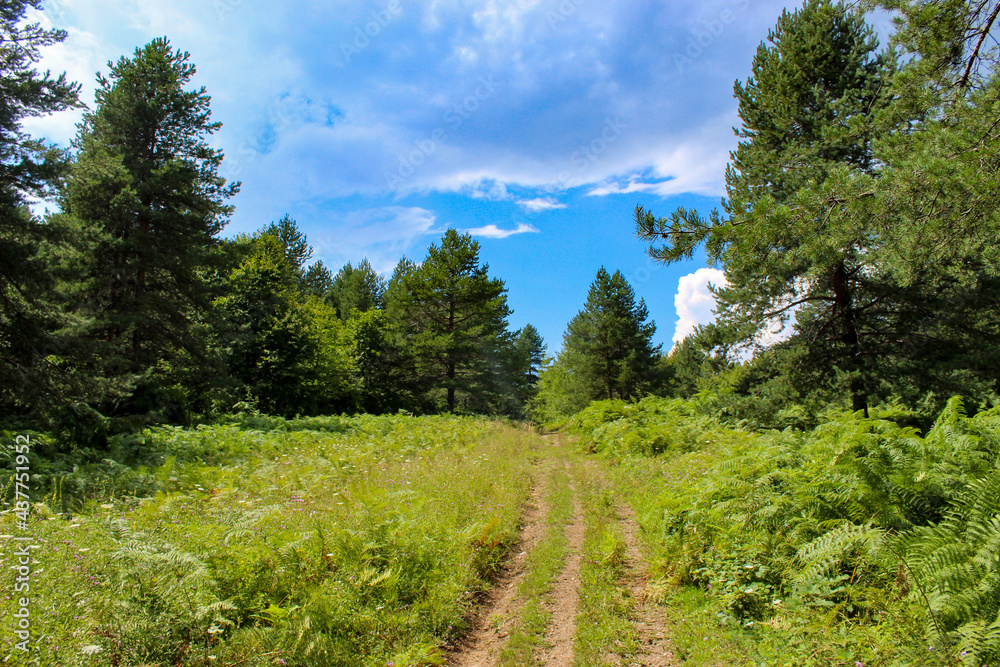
(834, 546)
(358, 543)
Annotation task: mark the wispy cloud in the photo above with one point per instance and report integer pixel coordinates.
(494, 232)
(382, 235)
(541, 204)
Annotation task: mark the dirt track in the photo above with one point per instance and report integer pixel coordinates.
(500, 608)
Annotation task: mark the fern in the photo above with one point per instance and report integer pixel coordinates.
(957, 562)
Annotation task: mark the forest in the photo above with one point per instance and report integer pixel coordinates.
(832, 498)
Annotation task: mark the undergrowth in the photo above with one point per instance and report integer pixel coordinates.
(861, 541)
(341, 541)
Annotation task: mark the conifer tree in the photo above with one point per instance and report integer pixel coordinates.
(451, 318)
(530, 350)
(611, 341)
(146, 187)
(360, 288)
(28, 167)
(805, 111)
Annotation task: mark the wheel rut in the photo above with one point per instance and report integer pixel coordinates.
(564, 600)
(655, 647)
(499, 611)
(499, 608)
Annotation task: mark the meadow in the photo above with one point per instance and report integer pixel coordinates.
(327, 541)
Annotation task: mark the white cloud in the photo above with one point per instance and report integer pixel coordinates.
(694, 302)
(550, 64)
(541, 204)
(695, 305)
(488, 189)
(80, 56)
(494, 232)
(383, 235)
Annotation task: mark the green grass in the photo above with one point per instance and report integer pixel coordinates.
(362, 544)
(604, 631)
(862, 541)
(543, 565)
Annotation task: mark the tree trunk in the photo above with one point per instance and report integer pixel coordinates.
(845, 307)
(451, 388)
(451, 362)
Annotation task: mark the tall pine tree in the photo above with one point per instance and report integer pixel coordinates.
(451, 318)
(146, 188)
(28, 168)
(610, 341)
(805, 111)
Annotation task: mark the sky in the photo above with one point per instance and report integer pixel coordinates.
(536, 126)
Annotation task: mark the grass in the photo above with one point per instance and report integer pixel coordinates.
(862, 541)
(693, 614)
(604, 631)
(362, 544)
(543, 565)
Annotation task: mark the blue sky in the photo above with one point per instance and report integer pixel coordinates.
(535, 125)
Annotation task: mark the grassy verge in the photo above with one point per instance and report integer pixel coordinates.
(693, 615)
(604, 633)
(860, 542)
(544, 563)
(356, 547)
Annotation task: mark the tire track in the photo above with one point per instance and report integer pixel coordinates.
(655, 647)
(501, 605)
(564, 600)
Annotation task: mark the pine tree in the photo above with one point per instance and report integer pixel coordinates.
(296, 246)
(269, 348)
(611, 341)
(28, 168)
(805, 111)
(530, 351)
(146, 187)
(357, 288)
(451, 318)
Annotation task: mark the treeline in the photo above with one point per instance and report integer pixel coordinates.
(860, 215)
(126, 307)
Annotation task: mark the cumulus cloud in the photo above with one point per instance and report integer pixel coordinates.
(695, 305)
(494, 232)
(694, 302)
